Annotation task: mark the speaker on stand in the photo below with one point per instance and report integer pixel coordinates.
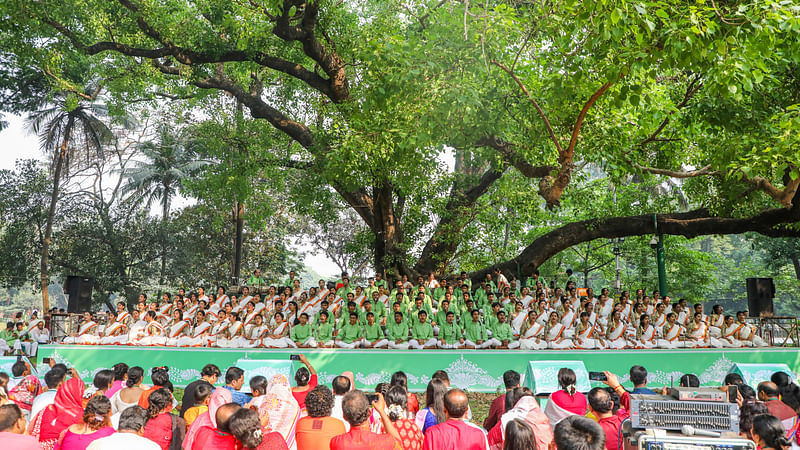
(760, 292)
(79, 292)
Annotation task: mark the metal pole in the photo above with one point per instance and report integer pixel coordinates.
(618, 281)
(660, 260)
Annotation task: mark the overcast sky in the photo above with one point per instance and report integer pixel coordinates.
(17, 143)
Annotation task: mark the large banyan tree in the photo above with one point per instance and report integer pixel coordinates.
(442, 122)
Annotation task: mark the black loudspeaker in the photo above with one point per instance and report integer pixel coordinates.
(760, 292)
(79, 290)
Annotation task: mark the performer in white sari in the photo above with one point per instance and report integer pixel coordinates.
(553, 333)
(716, 321)
(222, 297)
(670, 336)
(586, 336)
(645, 333)
(279, 337)
(615, 332)
(258, 333)
(38, 332)
(532, 334)
(86, 334)
(230, 337)
(153, 331)
(249, 317)
(136, 331)
(604, 308)
(114, 332)
(729, 332)
(697, 334)
(747, 334)
(659, 319)
(199, 335)
(178, 328)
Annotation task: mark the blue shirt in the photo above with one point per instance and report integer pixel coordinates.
(240, 398)
(644, 391)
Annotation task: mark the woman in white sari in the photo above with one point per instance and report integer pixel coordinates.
(553, 333)
(697, 334)
(115, 332)
(279, 336)
(86, 334)
(282, 409)
(153, 331)
(258, 332)
(729, 333)
(199, 335)
(290, 315)
(615, 332)
(178, 328)
(716, 321)
(531, 335)
(249, 317)
(659, 319)
(542, 312)
(220, 327)
(671, 333)
(586, 336)
(230, 337)
(645, 333)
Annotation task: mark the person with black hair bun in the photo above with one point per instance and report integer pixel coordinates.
(410, 433)
(768, 433)
(747, 412)
(161, 426)
(120, 371)
(160, 377)
(94, 424)
(568, 400)
(131, 393)
(789, 391)
(399, 378)
(246, 427)
(306, 379)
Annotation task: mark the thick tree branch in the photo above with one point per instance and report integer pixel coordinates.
(678, 173)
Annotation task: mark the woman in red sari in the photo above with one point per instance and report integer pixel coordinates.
(67, 410)
(410, 434)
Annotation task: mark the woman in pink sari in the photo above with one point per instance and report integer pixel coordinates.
(526, 408)
(567, 401)
(208, 419)
(282, 408)
(67, 410)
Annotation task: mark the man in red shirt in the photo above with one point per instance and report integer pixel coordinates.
(601, 405)
(455, 433)
(315, 431)
(356, 410)
(219, 438)
(769, 394)
(511, 380)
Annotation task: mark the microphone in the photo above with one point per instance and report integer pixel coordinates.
(689, 430)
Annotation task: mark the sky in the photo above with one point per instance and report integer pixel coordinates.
(16, 143)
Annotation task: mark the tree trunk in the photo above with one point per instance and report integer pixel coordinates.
(164, 222)
(238, 240)
(796, 264)
(389, 257)
(51, 212)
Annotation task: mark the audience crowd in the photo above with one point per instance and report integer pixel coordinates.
(118, 412)
(445, 314)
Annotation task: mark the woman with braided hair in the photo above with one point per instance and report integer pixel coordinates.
(410, 434)
(95, 424)
(160, 426)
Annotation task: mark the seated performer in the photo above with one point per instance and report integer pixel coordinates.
(229, 338)
(645, 333)
(586, 334)
(279, 337)
(153, 331)
(323, 331)
(302, 334)
(115, 332)
(716, 321)
(697, 333)
(178, 328)
(38, 332)
(553, 333)
(670, 336)
(86, 333)
(747, 334)
(729, 333)
(422, 333)
(199, 335)
(397, 331)
(503, 336)
(450, 334)
(350, 334)
(531, 335)
(373, 334)
(475, 334)
(615, 331)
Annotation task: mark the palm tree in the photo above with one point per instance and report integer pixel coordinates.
(72, 134)
(169, 161)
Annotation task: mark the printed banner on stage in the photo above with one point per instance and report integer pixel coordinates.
(267, 368)
(756, 373)
(542, 376)
(473, 370)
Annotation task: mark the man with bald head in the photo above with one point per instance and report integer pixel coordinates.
(455, 432)
(220, 437)
(769, 394)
